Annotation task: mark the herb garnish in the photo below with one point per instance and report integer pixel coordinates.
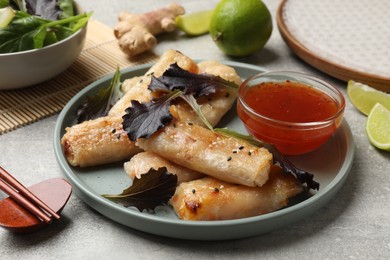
(99, 104)
(154, 188)
(287, 167)
(142, 120)
(35, 25)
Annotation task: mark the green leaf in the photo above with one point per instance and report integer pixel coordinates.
(4, 3)
(21, 5)
(80, 23)
(23, 33)
(99, 104)
(154, 188)
(39, 36)
(66, 7)
(287, 166)
(51, 38)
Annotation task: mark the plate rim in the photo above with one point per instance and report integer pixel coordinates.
(324, 64)
(86, 194)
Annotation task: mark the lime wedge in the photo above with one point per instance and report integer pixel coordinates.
(378, 127)
(6, 15)
(194, 24)
(364, 97)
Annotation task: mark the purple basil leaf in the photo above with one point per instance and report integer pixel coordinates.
(144, 119)
(47, 9)
(154, 188)
(175, 78)
(289, 168)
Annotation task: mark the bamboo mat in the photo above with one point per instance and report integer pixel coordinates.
(101, 56)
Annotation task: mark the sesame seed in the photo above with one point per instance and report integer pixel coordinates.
(241, 147)
(229, 158)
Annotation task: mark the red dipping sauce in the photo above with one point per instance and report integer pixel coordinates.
(297, 114)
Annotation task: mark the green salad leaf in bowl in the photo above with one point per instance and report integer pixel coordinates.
(33, 24)
(39, 39)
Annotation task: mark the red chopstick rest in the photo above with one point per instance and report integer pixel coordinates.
(55, 193)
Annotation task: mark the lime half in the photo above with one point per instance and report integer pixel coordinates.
(378, 127)
(195, 24)
(364, 97)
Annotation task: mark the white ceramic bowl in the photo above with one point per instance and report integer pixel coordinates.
(26, 68)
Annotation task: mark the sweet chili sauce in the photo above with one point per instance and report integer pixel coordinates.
(292, 103)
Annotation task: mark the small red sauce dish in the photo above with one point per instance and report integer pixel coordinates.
(294, 111)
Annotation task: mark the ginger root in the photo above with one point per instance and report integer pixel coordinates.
(136, 32)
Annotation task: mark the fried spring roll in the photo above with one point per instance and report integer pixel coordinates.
(130, 83)
(212, 199)
(213, 154)
(142, 162)
(140, 91)
(98, 141)
(215, 106)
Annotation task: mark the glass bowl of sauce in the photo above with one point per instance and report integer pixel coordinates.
(294, 111)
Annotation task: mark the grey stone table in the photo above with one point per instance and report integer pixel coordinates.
(354, 225)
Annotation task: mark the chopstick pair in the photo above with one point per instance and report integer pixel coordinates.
(25, 197)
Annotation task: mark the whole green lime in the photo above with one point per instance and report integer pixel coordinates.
(240, 27)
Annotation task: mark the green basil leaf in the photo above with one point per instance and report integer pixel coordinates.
(99, 104)
(67, 8)
(4, 3)
(20, 5)
(23, 33)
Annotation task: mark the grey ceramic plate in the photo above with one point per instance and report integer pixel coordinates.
(330, 164)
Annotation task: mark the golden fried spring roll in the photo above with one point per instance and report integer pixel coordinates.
(213, 109)
(127, 84)
(98, 141)
(212, 199)
(140, 91)
(200, 149)
(142, 162)
(214, 106)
